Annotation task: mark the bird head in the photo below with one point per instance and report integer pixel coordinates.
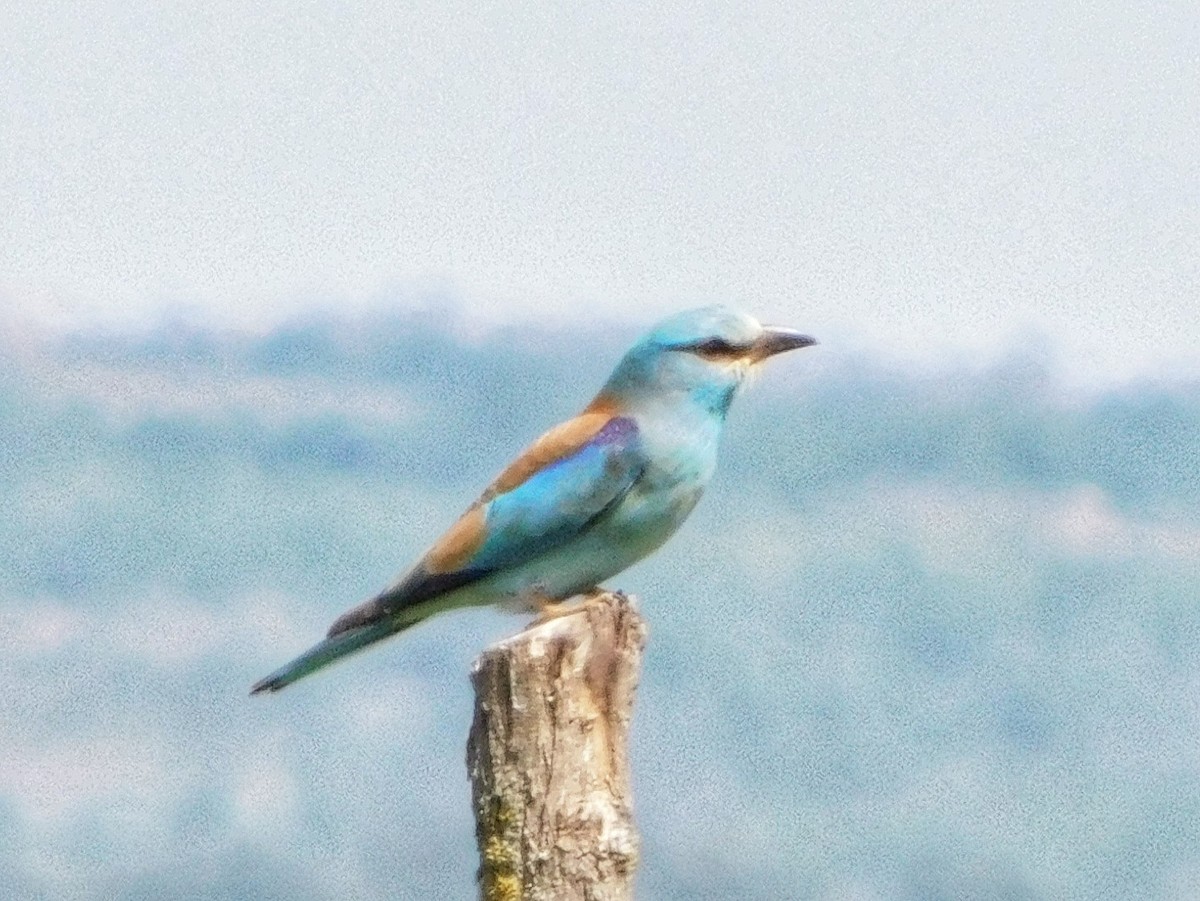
(703, 355)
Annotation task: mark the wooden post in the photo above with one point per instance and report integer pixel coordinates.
(548, 758)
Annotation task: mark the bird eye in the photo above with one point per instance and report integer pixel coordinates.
(715, 347)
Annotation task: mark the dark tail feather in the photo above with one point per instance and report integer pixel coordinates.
(323, 654)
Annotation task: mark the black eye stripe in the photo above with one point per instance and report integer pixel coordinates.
(715, 347)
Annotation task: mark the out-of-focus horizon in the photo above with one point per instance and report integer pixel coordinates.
(283, 285)
(926, 636)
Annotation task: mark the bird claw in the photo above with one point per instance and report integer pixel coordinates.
(552, 610)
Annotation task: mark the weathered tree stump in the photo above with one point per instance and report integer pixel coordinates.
(548, 758)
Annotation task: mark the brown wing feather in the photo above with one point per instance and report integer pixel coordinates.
(459, 543)
(561, 441)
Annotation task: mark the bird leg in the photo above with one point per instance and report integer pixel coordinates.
(548, 609)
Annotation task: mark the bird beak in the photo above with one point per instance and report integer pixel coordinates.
(775, 340)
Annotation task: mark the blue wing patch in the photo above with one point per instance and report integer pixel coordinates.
(559, 501)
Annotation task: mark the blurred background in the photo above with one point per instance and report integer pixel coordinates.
(281, 288)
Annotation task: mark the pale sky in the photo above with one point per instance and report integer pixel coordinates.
(934, 178)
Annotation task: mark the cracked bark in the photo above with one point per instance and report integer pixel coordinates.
(548, 760)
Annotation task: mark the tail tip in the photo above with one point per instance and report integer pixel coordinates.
(268, 685)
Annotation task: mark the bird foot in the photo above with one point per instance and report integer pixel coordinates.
(548, 610)
(551, 610)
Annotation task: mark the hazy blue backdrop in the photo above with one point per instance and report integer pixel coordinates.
(931, 635)
(283, 284)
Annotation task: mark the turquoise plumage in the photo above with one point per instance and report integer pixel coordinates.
(589, 498)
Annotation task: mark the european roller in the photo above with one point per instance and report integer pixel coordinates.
(587, 499)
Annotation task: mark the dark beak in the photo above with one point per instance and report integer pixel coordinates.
(775, 340)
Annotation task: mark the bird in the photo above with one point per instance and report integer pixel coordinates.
(586, 500)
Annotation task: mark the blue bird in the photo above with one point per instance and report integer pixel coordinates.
(589, 498)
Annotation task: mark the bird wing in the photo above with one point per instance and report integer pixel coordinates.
(549, 494)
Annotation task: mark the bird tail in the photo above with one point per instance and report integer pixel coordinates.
(324, 653)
